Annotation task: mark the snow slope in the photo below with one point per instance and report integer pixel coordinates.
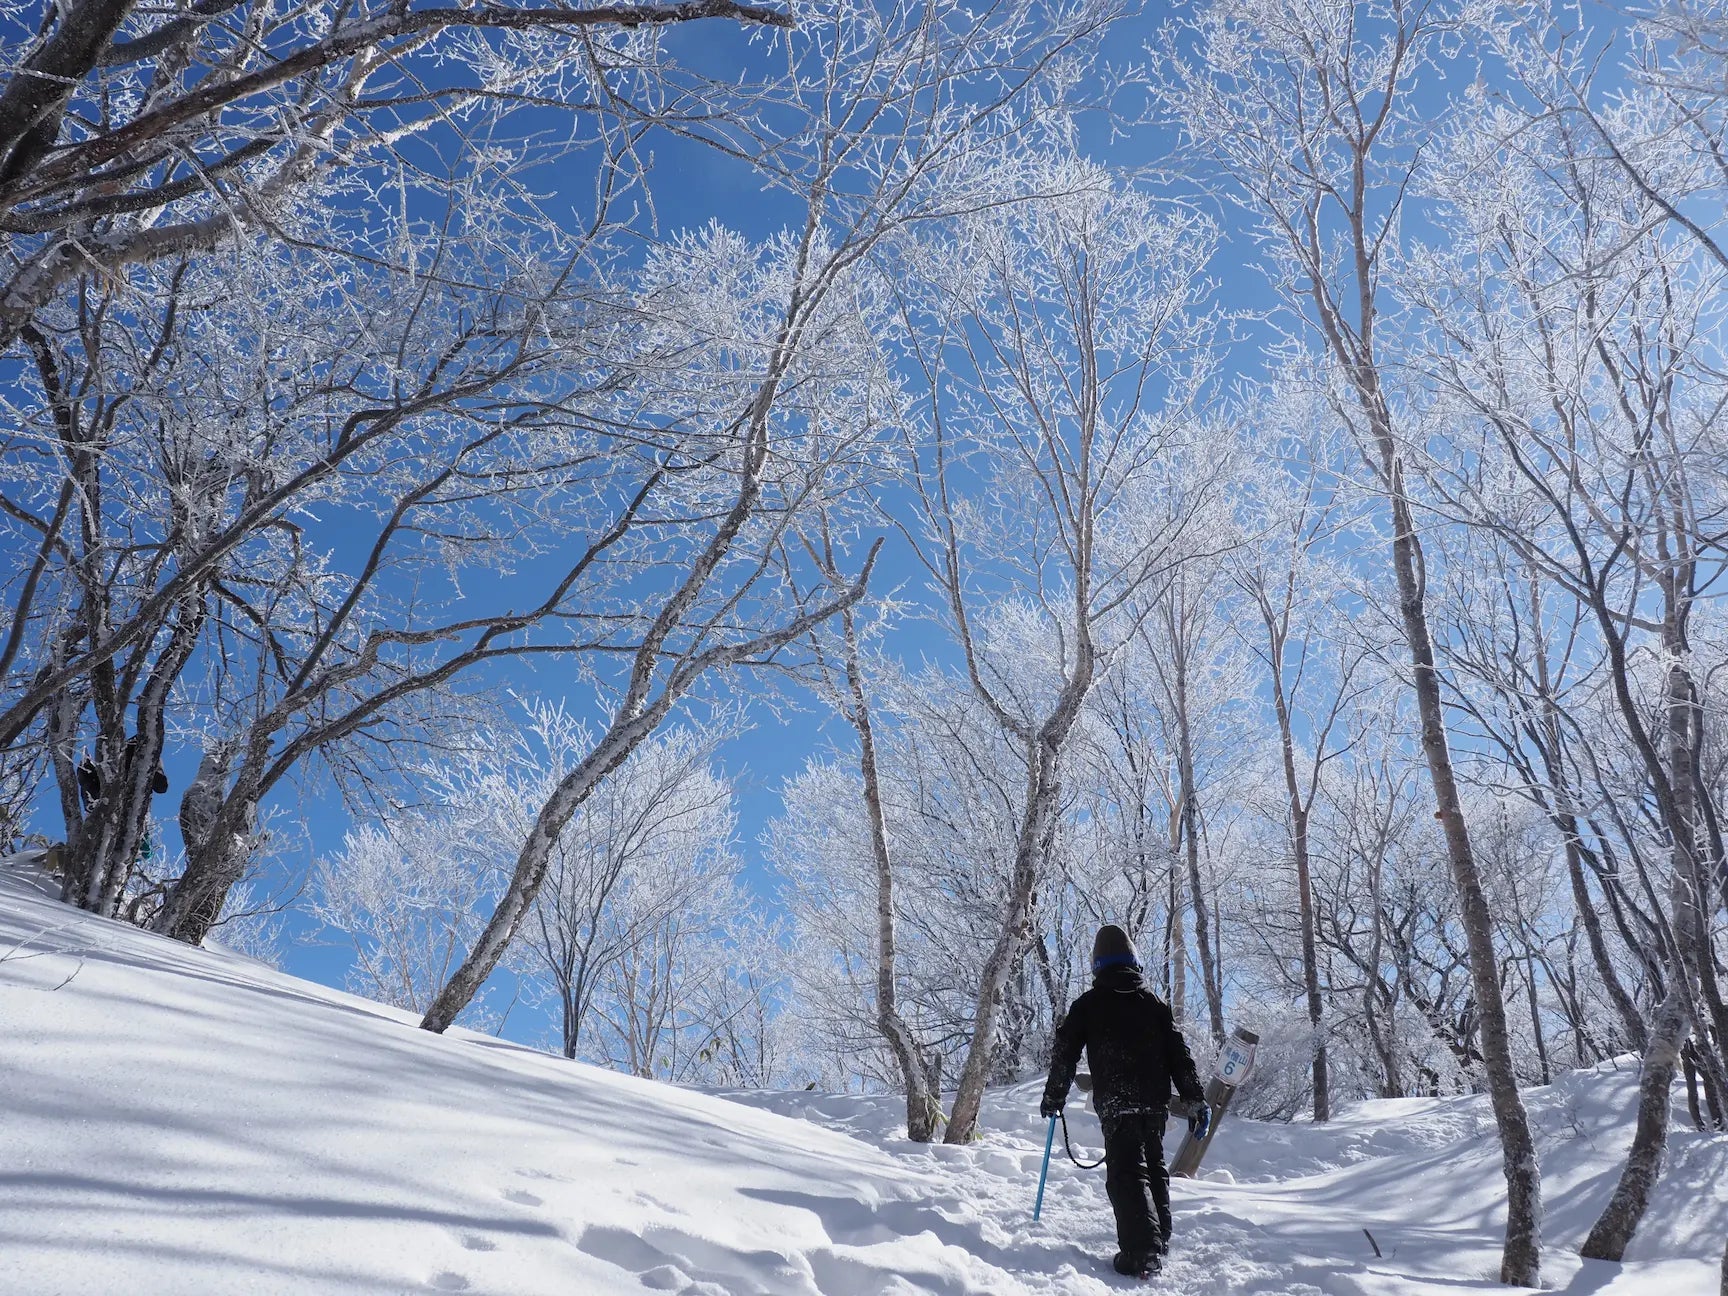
(184, 1121)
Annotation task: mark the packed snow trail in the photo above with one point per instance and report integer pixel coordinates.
(184, 1121)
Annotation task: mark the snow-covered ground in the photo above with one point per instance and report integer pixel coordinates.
(188, 1122)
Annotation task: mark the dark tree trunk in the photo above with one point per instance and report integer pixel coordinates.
(1536, 1020)
(1689, 1066)
(1631, 1020)
(1175, 933)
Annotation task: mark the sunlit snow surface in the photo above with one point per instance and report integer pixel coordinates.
(183, 1121)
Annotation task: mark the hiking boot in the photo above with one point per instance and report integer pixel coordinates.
(1137, 1266)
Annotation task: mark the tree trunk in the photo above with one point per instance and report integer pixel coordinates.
(1037, 823)
(1536, 1019)
(1032, 845)
(570, 1025)
(533, 862)
(1714, 1013)
(1614, 1229)
(215, 825)
(140, 759)
(1311, 970)
(639, 713)
(1176, 939)
(923, 1103)
(1564, 817)
(1715, 1101)
(1689, 1066)
(1521, 1258)
(1631, 1020)
(1393, 1086)
(1209, 977)
(1347, 320)
(216, 868)
(1304, 882)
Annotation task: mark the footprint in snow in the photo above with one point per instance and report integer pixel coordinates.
(522, 1198)
(542, 1174)
(474, 1242)
(670, 1260)
(448, 1281)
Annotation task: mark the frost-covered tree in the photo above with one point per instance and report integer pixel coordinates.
(1292, 575)
(183, 447)
(136, 135)
(1056, 334)
(654, 840)
(1574, 333)
(1317, 116)
(769, 371)
(642, 866)
(404, 896)
(850, 687)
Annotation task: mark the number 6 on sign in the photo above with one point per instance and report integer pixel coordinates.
(1236, 1061)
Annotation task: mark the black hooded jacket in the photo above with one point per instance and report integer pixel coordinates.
(1132, 1046)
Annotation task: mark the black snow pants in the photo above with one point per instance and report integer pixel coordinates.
(1137, 1181)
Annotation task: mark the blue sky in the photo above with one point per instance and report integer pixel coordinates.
(693, 186)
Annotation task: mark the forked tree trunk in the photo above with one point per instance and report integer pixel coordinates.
(923, 1101)
(216, 827)
(1564, 817)
(195, 908)
(1032, 846)
(1037, 822)
(1618, 1223)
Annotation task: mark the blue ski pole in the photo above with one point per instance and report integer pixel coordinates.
(1049, 1141)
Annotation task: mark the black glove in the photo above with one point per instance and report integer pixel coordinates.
(1049, 1108)
(1200, 1123)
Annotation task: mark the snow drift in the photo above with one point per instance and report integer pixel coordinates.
(186, 1121)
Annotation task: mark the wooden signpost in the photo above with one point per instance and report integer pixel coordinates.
(1235, 1061)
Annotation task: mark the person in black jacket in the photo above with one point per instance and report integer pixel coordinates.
(1136, 1054)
